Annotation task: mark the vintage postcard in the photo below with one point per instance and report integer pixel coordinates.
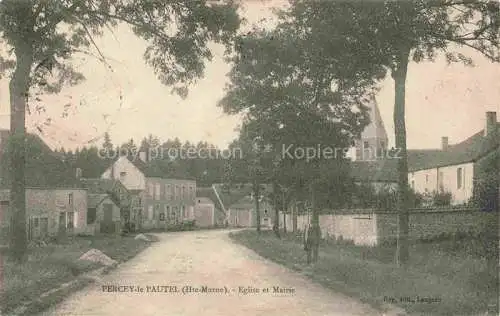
(249, 157)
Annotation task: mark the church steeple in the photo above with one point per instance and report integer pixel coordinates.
(373, 142)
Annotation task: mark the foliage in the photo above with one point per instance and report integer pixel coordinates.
(386, 36)
(487, 183)
(441, 198)
(40, 38)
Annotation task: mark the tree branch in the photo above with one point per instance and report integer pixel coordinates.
(133, 23)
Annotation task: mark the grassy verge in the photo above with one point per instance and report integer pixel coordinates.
(452, 283)
(57, 263)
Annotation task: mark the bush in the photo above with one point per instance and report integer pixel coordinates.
(183, 226)
(441, 198)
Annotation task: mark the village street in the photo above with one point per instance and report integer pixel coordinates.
(207, 258)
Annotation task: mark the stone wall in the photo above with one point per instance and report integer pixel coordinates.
(371, 227)
(427, 224)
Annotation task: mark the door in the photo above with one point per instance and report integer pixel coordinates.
(107, 225)
(62, 222)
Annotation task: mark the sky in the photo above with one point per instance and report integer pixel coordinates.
(129, 102)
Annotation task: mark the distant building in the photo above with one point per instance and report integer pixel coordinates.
(454, 168)
(204, 212)
(128, 201)
(372, 163)
(103, 214)
(373, 144)
(164, 201)
(208, 196)
(243, 213)
(55, 200)
(50, 211)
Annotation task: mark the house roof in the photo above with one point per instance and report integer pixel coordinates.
(209, 193)
(204, 200)
(43, 167)
(236, 193)
(469, 150)
(94, 200)
(147, 169)
(246, 202)
(156, 168)
(382, 170)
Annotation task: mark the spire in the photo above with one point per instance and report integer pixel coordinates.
(373, 142)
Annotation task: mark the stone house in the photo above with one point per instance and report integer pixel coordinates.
(103, 214)
(55, 201)
(50, 211)
(163, 201)
(127, 200)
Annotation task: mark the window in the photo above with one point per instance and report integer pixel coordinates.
(91, 215)
(167, 211)
(366, 145)
(191, 192)
(70, 219)
(184, 213)
(459, 178)
(183, 194)
(174, 214)
(177, 192)
(157, 191)
(151, 189)
(123, 174)
(70, 199)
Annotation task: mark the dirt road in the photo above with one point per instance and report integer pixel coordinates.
(169, 278)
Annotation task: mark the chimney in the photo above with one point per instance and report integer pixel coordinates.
(142, 156)
(444, 143)
(491, 124)
(78, 173)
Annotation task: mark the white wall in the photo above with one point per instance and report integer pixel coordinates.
(360, 228)
(463, 194)
(134, 179)
(424, 180)
(449, 181)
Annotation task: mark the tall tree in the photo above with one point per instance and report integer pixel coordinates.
(37, 34)
(107, 145)
(296, 98)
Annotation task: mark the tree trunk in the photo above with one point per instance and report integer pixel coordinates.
(276, 224)
(294, 217)
(285, 209)
(256, 191)
(314, 225)
(399, 76)
(19, 88)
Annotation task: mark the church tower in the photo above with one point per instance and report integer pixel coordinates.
(373, 142)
